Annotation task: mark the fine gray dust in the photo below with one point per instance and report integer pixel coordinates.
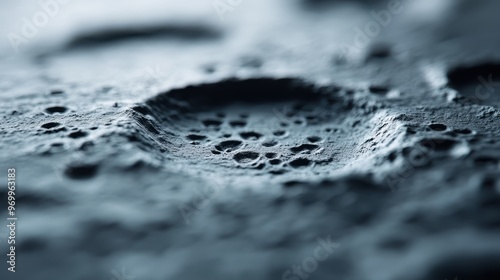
(292, 140)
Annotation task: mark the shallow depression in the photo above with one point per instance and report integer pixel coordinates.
(255, 131)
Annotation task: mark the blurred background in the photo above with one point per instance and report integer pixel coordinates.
(101, 58)
(175, 37)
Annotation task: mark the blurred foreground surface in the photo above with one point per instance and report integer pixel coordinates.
(252, 139)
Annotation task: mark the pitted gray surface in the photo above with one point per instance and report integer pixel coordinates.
(174, 145)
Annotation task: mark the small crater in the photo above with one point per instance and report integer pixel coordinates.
(211, 123)
(250, 135)
(333, 130)
(229, 145)
(465, 131)
(209, 69)
(312, 119)
(279, 133)
(291, 184)
(246, 157)
(379, 51)
(196, 137)
(56, 92)
(237, 123)
(56, 109)
(379, 90)
(304, 148)
(314, 139)
(117, 35)
(77, 134)
(438, 127)
(392, 156)
(271, 155)
(438, 144)
(270, 144)
(278, 172)
(50, 125)
(81, 171)
(86, 146)
(275, 162)
(300, 162)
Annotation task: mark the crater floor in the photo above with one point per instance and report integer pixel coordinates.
(172, 144)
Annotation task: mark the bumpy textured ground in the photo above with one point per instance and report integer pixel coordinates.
(156, 141)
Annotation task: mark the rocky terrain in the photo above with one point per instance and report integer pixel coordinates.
(350, 140)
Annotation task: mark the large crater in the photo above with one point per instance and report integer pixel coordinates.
(263, 127)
